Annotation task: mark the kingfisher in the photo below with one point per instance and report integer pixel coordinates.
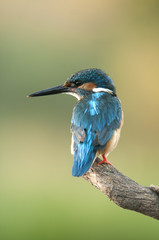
(97, 117)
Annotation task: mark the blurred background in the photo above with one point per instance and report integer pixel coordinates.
(42, 44)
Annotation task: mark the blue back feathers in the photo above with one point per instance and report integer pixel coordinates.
(95, 117)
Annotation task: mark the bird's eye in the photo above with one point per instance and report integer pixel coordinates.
(77, 83)
(73, 85)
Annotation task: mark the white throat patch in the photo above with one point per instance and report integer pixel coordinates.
(94, 90)
(73, 94)
(102, 90)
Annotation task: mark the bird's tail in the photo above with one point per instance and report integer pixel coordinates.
(83, 158)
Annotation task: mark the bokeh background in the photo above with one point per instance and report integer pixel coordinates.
(42, 44)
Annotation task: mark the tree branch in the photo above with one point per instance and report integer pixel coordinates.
(123, 191)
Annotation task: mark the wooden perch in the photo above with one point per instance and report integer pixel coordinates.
(123, 191)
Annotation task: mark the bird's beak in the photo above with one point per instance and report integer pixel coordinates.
(50, 91)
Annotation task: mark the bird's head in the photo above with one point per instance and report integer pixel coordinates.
(82, 83)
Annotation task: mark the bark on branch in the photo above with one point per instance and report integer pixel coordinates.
(123, 191)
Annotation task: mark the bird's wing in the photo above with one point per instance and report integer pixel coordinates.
(93, 123)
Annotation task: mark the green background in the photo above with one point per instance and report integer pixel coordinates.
(42, 44)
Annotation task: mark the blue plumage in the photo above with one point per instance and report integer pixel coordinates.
(93, 75)
(84, 153)
(97, 116)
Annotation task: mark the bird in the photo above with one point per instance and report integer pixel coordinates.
(97, 117)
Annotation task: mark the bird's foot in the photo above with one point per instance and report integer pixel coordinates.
(104, 161)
